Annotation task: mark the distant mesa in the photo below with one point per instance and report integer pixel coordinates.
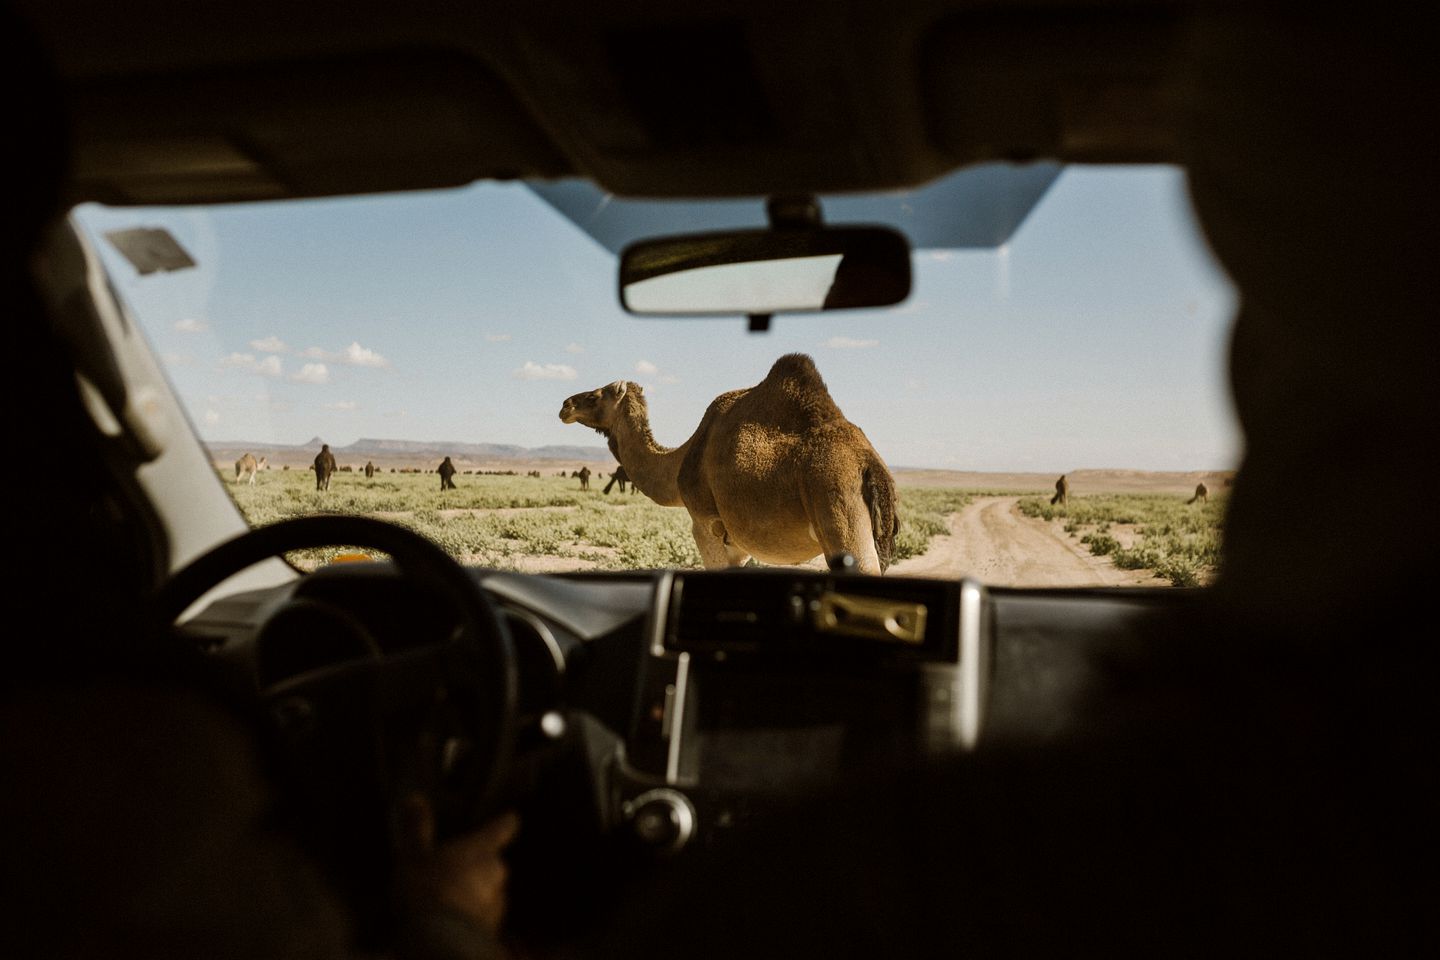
(368, 448)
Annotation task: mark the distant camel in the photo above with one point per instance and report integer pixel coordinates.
(584, 474)
(369, 470)
(620, 477)
(246, 468)
(774, 471)
(1062, 492)
(1201, 494)
(447, 473)
(324, 467)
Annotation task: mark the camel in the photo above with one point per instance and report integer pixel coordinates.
(246, 468)
(584, 474)
(1201, 493)
(324, 467)
(620, 477)
(1062, 492)
(773, 471)
(369, 469)
(447, 473)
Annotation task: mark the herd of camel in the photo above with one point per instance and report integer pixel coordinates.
(325, 466)
(774, 471)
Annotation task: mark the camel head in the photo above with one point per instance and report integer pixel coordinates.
(597, 408)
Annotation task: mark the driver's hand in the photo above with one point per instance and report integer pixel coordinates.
(464, 875)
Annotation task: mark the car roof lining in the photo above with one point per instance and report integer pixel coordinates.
(177, 104)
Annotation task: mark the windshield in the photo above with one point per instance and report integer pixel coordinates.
(1052, 409)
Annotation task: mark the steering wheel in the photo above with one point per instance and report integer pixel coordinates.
(471, 676)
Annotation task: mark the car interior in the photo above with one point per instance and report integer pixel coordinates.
(206, 751)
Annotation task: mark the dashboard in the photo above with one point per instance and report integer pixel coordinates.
(663, 713)
(694, 701)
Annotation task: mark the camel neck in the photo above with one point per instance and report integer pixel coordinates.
(652, 468)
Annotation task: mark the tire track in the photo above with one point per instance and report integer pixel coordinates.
(991, 540)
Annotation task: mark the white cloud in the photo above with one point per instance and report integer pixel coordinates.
(353, 355)
(498, 337)
(191, 325)
(342, 405)
(574, 348)
(312, 373)
(270, 344)
(359, 356)
(177, 359)
(850, 343)
(545, 371)
(652, 375)
(211, 418)
(268, 366)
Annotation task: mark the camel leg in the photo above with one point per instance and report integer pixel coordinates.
(844, 527)
(736, 556)
(709, 536)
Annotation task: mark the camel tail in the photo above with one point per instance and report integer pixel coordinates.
(878, 489)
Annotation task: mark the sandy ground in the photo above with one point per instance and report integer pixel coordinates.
(1082, 482)
(991, 540)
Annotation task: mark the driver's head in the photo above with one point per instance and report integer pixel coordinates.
(1301, 151)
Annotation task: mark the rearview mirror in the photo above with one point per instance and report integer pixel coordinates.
(761, 272)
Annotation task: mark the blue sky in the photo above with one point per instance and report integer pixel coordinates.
(1095, 338)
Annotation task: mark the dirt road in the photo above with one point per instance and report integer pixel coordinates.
(991, 540)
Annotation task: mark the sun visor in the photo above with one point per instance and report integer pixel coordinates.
(332, 126)
(978, 207)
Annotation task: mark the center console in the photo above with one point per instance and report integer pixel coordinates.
(759, 686)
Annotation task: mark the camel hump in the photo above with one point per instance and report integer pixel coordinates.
(795, 378)
(795, 366)
(796, 373)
